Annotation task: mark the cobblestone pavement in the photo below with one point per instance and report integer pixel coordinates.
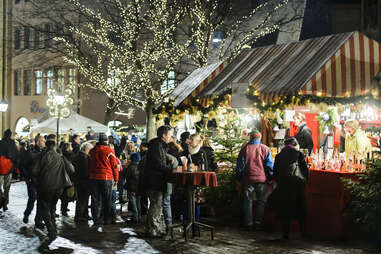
(16, 237)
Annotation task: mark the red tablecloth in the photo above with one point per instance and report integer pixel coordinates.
(326, 200)
(193, 178)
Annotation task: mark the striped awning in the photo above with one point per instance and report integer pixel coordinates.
(196, 82)
(337, 65)
(350, 71)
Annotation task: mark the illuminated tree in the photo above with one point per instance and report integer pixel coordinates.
(127, 48)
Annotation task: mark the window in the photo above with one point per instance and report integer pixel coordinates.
(17, 1)
(113, 79)
(27, 82)
(371, 9)
(218, 36)
(71, 77)
(59, 29)
(169, 83)
(49, 79)
(38, 82)
(60, 80)
(256, 3)
(115, 38)
(37, 38)
(27, 34)
(18, 82)
(48, 35)
(17, 39)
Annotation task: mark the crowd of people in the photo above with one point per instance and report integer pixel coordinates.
(98, 169)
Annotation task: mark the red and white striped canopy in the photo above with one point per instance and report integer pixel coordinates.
(350, 71)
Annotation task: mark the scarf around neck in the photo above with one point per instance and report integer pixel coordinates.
(194, 150)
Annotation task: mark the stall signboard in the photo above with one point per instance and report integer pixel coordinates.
(239, 98)
(289, 115)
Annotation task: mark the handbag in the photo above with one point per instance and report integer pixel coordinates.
(69, 189)
(297, 173)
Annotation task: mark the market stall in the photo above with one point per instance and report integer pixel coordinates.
(329, 79)
(76, 122)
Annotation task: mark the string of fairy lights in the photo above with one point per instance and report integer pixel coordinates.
(141, 48)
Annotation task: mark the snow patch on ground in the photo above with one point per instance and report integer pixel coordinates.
(137, 246)
(67, 244)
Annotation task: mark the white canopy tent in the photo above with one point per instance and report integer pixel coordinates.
(75, 121)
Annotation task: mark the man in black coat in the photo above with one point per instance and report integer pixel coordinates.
(304, 135)
(32, 156)
(8, 161)
(157, 168)
(52, 172)
(81, 182)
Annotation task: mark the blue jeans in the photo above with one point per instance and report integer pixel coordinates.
(135, 206)
(249, 191)
(167, 210)
(101, 192)
(113, 202)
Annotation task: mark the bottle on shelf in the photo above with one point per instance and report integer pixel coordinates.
(202, 166)
(189, 163)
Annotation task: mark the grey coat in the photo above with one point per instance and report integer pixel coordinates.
(52, 171)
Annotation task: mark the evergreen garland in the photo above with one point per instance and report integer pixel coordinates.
(283, 101)
(195, 106)
(298, 99)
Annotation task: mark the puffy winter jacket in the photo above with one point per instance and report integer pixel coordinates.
(103, 164)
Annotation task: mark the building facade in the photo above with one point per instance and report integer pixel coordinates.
(5, 65)
(37, 68)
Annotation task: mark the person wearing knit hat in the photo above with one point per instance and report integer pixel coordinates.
(254, 167)
(255, 134)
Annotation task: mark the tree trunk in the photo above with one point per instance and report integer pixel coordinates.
(150, 123)
(109, 111)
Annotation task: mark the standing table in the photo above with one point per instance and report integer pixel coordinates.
(191, 180)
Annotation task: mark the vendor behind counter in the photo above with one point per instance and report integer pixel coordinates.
(357, 144)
